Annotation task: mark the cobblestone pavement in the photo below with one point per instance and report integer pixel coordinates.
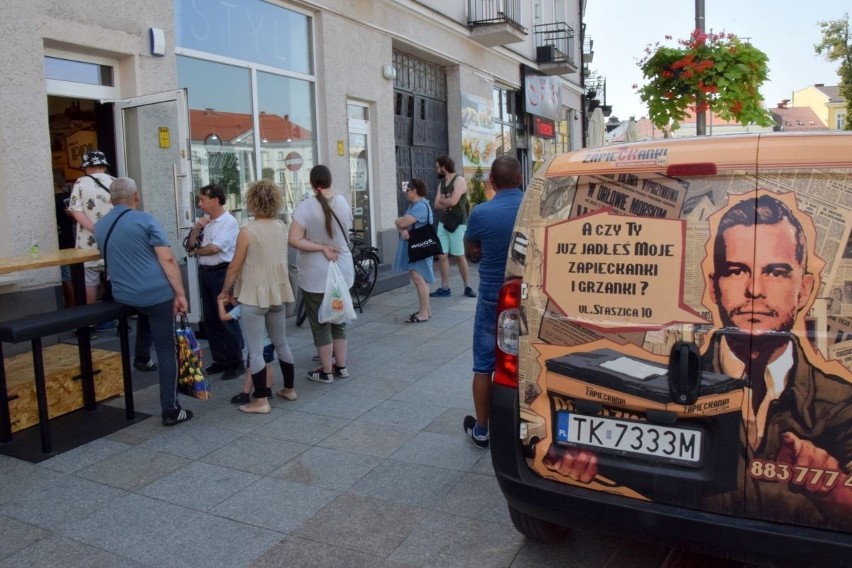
(368, 471)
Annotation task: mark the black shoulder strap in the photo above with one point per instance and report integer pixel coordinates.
(428, 211)
(450, 185)
(97, 181)
(109, 233)
(339, 224)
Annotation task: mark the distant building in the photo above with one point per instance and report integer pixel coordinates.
(826, 102)
(791, 119)
(716, 126)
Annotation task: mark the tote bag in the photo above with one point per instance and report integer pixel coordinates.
(423, 242)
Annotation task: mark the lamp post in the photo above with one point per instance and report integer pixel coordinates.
(700, 117)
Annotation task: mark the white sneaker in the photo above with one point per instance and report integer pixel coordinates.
(319, 377)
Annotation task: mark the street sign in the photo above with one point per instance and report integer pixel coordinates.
(293, 161)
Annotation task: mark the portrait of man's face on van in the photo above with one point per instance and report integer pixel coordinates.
(760, 281)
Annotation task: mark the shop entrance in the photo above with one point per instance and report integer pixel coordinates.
(144, 138)
(75, 126)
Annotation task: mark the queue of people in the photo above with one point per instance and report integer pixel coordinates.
(244, 277)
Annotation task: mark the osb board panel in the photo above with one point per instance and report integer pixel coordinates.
(61, 364)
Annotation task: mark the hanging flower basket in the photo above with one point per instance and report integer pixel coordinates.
(715, 72)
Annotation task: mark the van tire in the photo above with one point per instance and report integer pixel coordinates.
(537, 529)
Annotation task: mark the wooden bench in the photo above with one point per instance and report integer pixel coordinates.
(33, 328)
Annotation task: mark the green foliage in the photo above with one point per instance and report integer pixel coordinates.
(836, 46)
(476, 188)
(715, 72)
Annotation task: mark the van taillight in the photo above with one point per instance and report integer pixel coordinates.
(508, 333)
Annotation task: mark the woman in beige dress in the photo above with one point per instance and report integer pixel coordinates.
(260, 280)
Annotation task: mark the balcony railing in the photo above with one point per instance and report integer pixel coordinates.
(554, 48)
(489, 12)
(495, 22)
(588, 50)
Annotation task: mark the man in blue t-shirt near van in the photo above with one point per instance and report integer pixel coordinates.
(488, 237)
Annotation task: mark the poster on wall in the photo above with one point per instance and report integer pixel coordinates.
(479, 132)
(628, 271)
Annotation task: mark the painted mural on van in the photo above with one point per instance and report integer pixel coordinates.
(687, 339)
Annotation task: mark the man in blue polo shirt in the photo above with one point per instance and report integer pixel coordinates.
(488, 237)
(145, 276)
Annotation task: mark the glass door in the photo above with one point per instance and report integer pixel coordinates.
(152, 136)
(359, 168)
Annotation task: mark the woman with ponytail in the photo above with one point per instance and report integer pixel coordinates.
(319, 231)
(260, 279)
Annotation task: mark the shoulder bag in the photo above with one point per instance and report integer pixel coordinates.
(423, 242)
(451, 218)
(107, 295)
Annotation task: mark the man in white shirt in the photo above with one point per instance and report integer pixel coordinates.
(88, 203)
(218, 242)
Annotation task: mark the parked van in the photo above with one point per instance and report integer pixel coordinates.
(674, 355)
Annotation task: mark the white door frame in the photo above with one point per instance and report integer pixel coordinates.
(181, 175)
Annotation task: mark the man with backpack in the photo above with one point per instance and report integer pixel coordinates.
(451, 207)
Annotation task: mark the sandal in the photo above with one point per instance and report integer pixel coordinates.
(414, 318)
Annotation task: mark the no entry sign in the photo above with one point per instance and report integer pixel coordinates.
(293, 161)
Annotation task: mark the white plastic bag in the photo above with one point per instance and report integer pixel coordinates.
(336, 306)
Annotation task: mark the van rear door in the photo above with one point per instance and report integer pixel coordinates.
(798, 425)
(617, 269)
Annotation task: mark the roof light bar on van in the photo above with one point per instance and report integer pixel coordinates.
(508, 333)
(698, 169)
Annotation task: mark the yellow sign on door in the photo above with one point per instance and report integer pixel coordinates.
(165, 139)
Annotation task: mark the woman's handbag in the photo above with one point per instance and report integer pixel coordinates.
(336, 306)
(423, 242)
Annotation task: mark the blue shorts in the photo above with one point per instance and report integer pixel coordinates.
(485, 332)
(268, 354)
(452, 243)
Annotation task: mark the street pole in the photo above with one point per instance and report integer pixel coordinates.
(700, 118)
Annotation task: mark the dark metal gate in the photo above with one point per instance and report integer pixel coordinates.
(420, 121)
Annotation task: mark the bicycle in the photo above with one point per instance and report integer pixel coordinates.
(366, 262)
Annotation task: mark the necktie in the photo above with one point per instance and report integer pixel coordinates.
(757, 379)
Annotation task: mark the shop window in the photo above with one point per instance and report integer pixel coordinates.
(504, 119)
(250, 31)
(286, 111)
(221, 127)
(74, 71)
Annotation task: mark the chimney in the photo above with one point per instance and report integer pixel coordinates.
(819, 84)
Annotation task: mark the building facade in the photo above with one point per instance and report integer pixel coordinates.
(181, 93)
(826, 102)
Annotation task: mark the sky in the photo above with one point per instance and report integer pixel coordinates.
(785, 30)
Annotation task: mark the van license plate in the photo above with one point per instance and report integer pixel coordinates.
(682, 445)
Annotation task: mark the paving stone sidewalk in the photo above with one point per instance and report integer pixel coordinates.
(369, 471)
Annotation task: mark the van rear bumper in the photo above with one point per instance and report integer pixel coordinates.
(566, 505)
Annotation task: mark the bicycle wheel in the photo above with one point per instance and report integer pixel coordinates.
(366, 275)
(301, 312)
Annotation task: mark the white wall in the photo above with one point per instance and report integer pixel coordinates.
(104, 28)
